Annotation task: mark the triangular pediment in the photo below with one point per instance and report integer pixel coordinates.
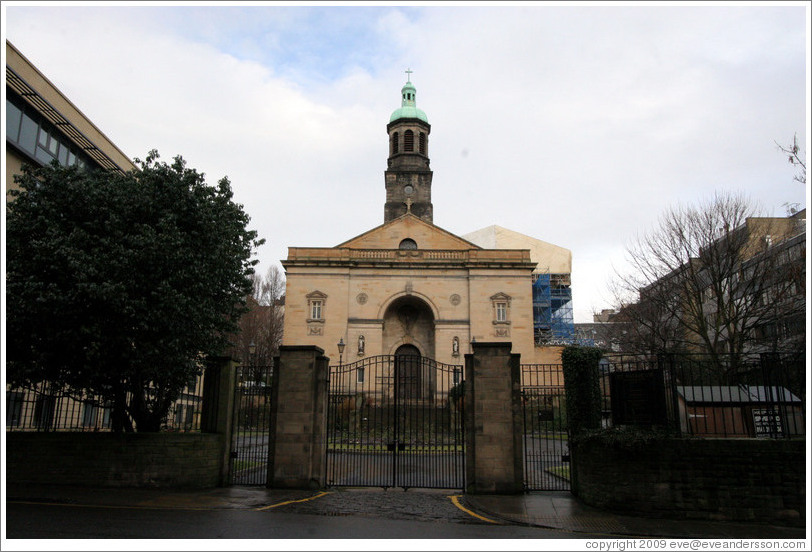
(408, 227)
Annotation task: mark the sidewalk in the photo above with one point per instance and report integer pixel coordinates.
(550, 510)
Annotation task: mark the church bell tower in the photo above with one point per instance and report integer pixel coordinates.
(408, 176)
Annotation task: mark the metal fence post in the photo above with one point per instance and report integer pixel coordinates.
(669, 368)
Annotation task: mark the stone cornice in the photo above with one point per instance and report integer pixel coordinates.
(414, 258)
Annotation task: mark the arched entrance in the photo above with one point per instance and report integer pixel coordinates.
(408, 377)
(408, 321)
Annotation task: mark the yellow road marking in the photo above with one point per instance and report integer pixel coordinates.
(455, 500)
(293, 501)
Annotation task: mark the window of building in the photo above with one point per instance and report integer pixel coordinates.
(316, 302)
(90, 414)
(360, 375)
(106, 421)
(44, 412)
(27, 130)
(422, 143)
(501, 308)
(501, 312)
(28, 134)
(394, 143)
(408, 243)
(14, 408)
(408, 141)
(178, 415)
(13, 118)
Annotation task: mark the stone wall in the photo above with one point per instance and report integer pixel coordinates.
(297, 452)
(712, 479)
(493, 420)
(115, 460)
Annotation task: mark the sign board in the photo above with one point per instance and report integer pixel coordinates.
(767, 422)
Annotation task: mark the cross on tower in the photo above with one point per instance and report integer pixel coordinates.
(409, 75)
(408, 205)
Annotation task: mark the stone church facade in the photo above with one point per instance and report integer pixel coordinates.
(409, 286)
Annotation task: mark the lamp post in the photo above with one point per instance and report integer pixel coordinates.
(340, 350)
(252, 348)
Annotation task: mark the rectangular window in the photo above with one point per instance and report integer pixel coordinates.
(43, 137)
(361, 375)
(63, 155)
(43, 155)
(44, 412)
(106, 415)
(14, 408)
(28, 134)
(501, 312)
(315, 310)
(13, 118)
(456, 376)
(90, 414)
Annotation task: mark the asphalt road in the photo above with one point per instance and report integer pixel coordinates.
(60, 521)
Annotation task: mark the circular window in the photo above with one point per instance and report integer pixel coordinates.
(409, 190)
(408, 243)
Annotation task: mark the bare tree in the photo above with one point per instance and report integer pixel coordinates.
(705, 280)
(795, 158)
(261, 327)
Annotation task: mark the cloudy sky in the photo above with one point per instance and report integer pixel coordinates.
(575, 124)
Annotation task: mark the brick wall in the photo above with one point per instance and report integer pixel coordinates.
(714, 479)
(115, 460)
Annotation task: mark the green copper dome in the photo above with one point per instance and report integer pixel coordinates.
(408, 109)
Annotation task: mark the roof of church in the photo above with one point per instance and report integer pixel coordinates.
(400, 226)
(408, 109)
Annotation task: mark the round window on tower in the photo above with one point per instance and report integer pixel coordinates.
(408, 190)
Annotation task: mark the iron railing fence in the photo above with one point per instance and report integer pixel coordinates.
(545, 437)
(46, 407)
(759, 397)
(250, 438)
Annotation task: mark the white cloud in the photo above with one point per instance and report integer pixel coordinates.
(576, 125)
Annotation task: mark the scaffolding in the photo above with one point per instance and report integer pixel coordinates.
(552, 309)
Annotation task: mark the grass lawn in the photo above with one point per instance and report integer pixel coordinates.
(561, 471)
(240, 465)
(375, 447)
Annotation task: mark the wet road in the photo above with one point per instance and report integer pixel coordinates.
(61, 521)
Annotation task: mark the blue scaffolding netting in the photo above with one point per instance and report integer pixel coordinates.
(552, 309)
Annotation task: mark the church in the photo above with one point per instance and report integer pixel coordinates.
(409, 287)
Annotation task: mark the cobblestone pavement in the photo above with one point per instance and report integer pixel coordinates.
(414, 505)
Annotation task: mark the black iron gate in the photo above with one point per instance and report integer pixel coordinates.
(396, 421)
(545, 439)
(251, 429)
